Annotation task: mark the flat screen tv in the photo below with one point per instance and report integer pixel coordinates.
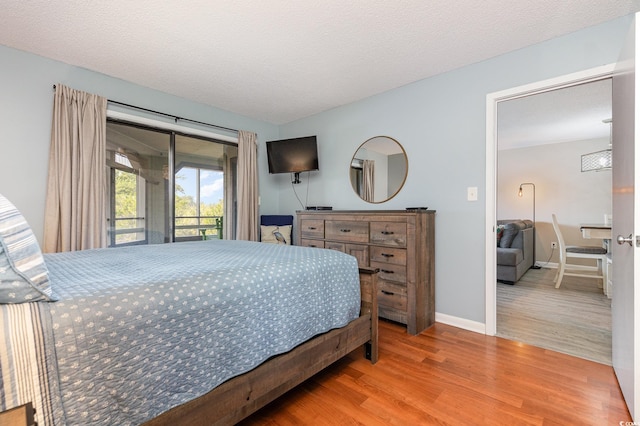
(293, 155)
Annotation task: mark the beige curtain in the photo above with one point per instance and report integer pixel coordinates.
(247, 226)
(75, 216)
(367, 180)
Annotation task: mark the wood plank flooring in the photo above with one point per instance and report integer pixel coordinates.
(450, 376)
(574, 319)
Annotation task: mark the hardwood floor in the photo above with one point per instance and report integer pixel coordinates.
(574, 319)
(447, 375)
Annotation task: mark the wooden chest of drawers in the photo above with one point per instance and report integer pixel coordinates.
(399, 243)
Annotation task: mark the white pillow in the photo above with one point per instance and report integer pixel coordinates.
(275, 234)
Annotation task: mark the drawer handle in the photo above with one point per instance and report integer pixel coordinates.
(387, 232)
(386, 271)
(312, 245)
(312, 228)
(386, 255)
(345, 230)
(387, 292)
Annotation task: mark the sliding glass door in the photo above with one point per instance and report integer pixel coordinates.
(203, 186)
(166, 187)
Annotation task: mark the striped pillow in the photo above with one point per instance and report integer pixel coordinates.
(23, 274)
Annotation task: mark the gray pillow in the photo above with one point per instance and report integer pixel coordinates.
(509, 233)
(24, 277)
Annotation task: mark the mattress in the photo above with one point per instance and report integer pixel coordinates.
(139, 330)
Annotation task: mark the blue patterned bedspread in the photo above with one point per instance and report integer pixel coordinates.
(139, 330)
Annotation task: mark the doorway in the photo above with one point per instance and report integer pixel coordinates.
(493, 100)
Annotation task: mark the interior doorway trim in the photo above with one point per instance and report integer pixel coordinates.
(568, 80)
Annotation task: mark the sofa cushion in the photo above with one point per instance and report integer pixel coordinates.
(509, 233)
(522, 223)
(527, 223)
(499, 233)
(509, 256)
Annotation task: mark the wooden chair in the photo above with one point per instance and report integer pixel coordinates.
(582, 252)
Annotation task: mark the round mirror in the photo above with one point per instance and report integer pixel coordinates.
(378, 169)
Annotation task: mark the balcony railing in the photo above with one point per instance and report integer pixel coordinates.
(201, 225)
(132, 230)
(126, 230)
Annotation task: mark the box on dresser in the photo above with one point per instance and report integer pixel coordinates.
(399, 243)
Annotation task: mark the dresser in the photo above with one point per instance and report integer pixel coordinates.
(399, 243)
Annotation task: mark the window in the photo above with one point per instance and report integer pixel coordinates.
(128, 219)
(165, 186)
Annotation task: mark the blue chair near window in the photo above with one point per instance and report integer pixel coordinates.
(277, 220)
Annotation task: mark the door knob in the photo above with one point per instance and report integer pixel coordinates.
(621, 240)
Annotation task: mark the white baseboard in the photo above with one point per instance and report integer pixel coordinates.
(463, 323)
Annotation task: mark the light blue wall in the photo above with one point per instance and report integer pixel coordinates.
(440, 121)
(26, 105)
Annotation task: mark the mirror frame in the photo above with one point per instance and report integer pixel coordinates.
(404, 178)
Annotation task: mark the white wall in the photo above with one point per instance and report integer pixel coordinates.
(440, 121)
(26, 108)
(561, 188)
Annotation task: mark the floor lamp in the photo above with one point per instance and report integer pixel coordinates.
(534, 220)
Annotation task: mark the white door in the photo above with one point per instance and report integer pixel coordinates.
(625, 308)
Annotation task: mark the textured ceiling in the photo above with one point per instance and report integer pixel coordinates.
(280, 60)
(563, 115)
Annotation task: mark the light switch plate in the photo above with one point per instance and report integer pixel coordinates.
(472, 193)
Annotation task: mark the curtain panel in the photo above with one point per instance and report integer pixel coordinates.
(247, 226)
(368, 178)
(75, 216)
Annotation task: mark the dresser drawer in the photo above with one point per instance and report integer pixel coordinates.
(311, 243)
(347, 231)
(391, 272)
(335, 246)
(392, 295)
(389, 233)
(312, 228)
(359, 251)
(392, 302)
(396, 256)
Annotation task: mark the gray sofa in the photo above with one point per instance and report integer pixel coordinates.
(514, 249)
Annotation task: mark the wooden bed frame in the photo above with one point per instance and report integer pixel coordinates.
(241, 396)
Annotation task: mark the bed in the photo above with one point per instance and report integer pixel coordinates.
(203, 332)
